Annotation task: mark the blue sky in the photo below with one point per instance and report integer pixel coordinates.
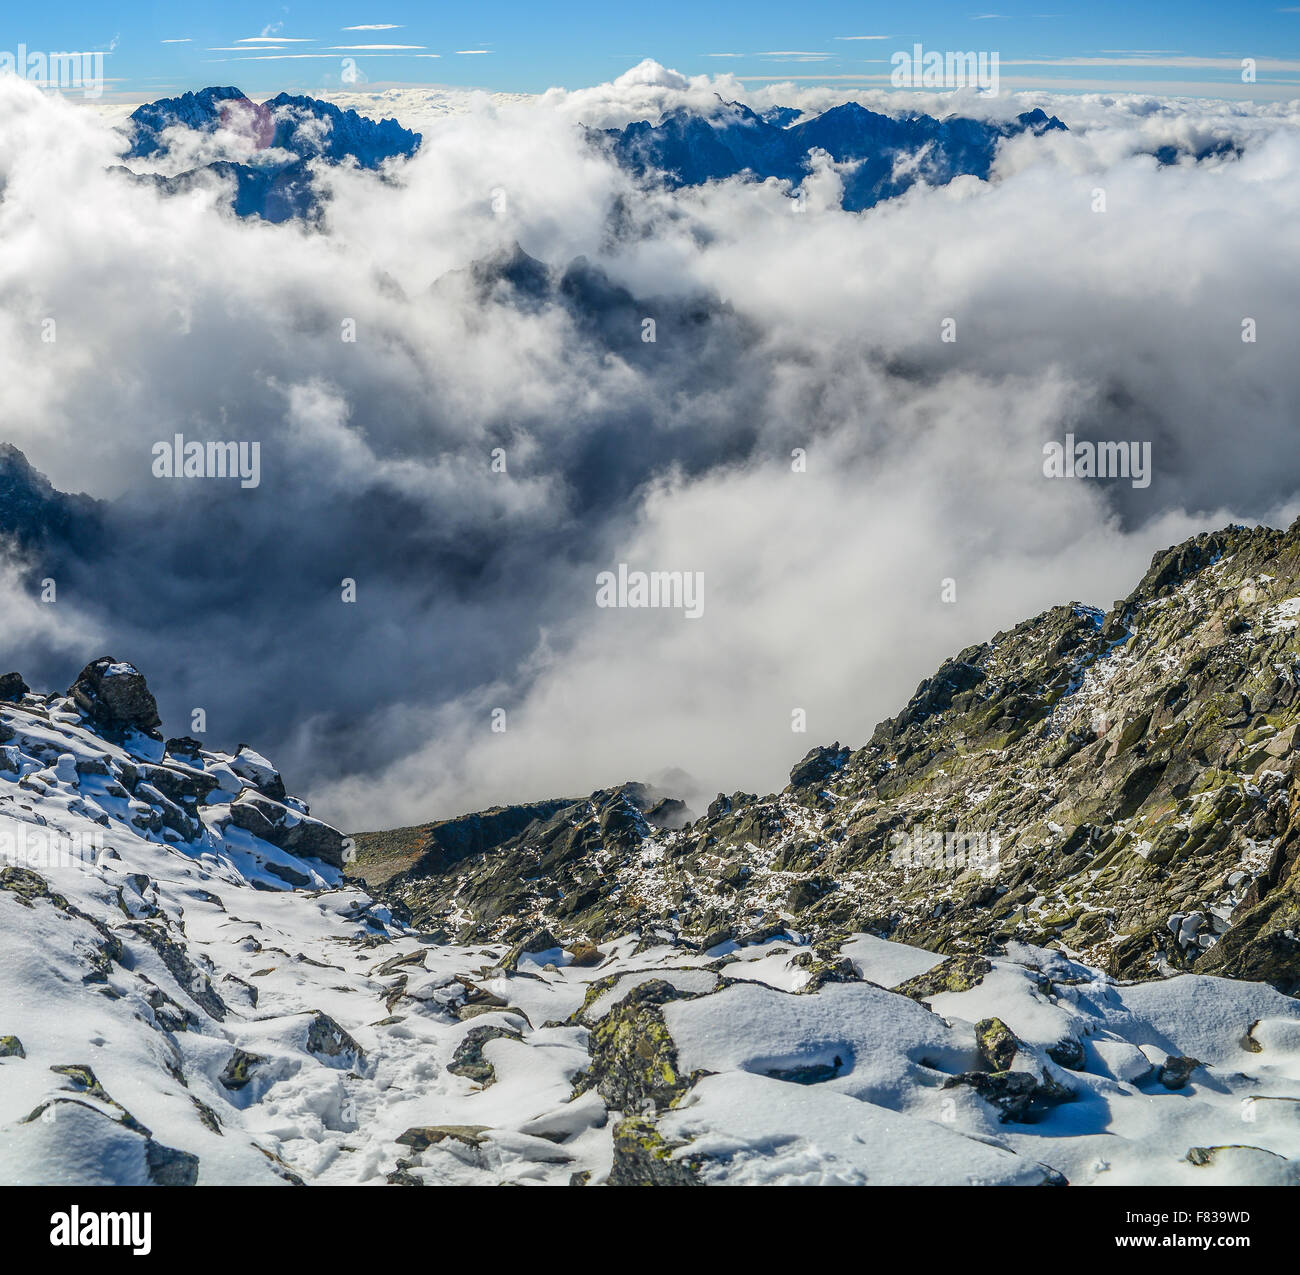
(159, 49)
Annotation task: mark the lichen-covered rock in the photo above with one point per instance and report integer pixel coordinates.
(11, 1047)
(421, 1137)
(83, 1081)
(239, 1068)
(99, 953)
(633, 1057)
(825, 969)
(998, 1045)
(1202, 1156)
(28, 886)
(956, 974)
(643, 1158)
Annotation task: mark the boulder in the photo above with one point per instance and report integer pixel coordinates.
(468, 1061)
(818, 765)
(116, 698)
(998, 1045)
(259, 772)
(288, 830)
(12, 688)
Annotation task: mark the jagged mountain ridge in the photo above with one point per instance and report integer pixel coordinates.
(1133, 770)
(292, 130)
(880, 156)
(304, 125)
(886, 154)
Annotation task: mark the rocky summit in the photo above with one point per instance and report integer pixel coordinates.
(1040, 929)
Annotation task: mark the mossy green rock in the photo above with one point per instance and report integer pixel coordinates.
(633, 1057)
(643, 1158)
(956, 974)
(998, 1045)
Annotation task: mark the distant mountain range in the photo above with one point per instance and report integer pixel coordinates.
(885, 154)
(879, 156)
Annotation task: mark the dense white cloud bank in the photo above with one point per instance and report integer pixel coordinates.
(777, 330)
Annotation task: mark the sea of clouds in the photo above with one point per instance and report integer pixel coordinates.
(818, 330)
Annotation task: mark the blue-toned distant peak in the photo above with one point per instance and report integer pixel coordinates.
(1038, 121)
(781, 116)
(200, 111)
(286, 122)
(368, 141)
(270, 159)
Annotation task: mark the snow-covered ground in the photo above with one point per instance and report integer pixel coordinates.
(172, 1010)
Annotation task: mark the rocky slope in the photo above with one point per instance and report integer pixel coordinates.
(1118, 785)
(37, 518)
(197, 990)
